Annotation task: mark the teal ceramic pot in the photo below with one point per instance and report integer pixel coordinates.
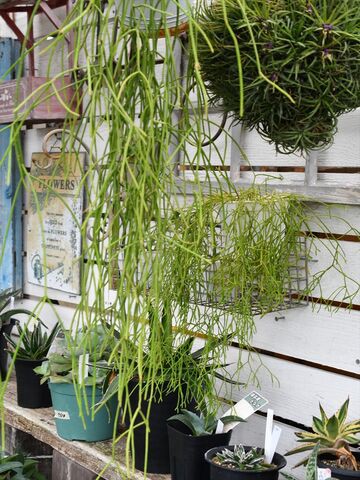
(69, 424)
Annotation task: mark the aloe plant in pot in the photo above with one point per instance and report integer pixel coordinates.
(190, 437)
(7, 323)
(29, 353)
(335, 437)
(77, 384)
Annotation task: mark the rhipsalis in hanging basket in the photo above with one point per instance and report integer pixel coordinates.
(309, 49)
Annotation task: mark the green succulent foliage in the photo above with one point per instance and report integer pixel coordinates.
(35, 343)
(329, 431)
(239, 459)
(311, 466)
(18, 467)
(309, 49)
(5, 300)
(203, 424)
(64, 367)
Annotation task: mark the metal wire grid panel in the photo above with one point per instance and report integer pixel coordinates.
(211, 294)
(207, 292)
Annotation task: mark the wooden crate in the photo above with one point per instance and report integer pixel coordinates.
(35, 89)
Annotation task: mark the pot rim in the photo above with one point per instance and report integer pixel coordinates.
(30, 360)
(172, 427)
(209, 455)
(336, 470)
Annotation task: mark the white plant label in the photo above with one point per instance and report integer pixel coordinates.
(83, 367)
(61, 415)
(243, 409)
(272, 436)
(324, 473)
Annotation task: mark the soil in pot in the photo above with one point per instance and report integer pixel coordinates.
(69, 424)
(329, 461)
(187, 452)
(30, 393)
(218, 472)
(158, 460)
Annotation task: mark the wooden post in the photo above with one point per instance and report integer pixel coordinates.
(10, 198)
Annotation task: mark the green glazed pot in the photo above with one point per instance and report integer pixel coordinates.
(69, 424)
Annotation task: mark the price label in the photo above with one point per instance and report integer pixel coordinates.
(61, 415)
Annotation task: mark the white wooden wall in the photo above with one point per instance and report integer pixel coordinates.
(314, 353)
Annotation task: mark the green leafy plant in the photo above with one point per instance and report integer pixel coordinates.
(63, 366)
(310, 49)
(19, 467)
(203, 424)
(34, 344)
(311, 466)
(239, 459)
(333, 434)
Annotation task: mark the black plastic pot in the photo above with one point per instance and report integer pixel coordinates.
(187, 452)
(30, 393)
(158, 446)
(217, 472)
(4, 356)
(339, 473)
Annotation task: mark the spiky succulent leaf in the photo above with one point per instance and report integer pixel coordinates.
(332, 428)
(343, 411)
(311, 467)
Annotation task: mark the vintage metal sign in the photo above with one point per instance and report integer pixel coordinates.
(55, 216)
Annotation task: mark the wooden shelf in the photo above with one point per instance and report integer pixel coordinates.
(94, 456)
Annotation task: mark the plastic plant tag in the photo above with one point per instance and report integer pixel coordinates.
(83, 367)
(323, 473)
(272, 436)
(61, 415)
(243, 409)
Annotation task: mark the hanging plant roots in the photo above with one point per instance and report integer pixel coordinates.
(310, 49)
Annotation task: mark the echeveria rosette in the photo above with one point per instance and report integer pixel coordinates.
(310, 49)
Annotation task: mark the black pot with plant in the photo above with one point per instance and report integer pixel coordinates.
(6, 325)
(242, 463)
(335, 437)
(32, 351)
(190, 437)
(147, 406)
(160, 409)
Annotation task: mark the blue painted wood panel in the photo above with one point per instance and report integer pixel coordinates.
(10, 207)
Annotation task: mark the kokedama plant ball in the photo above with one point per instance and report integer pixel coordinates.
(310, 49)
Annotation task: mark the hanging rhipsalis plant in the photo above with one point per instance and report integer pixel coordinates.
(308, 48)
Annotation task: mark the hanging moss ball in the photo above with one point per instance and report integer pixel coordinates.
(309, 48)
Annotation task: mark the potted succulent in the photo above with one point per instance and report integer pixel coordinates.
(190, 437)
(243, 463)
(19, 466)
(335, 437)
(29, 353)
(6, 324)
(75, 399)
(147, 410)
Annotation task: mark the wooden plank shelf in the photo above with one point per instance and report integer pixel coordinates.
(96, 457)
